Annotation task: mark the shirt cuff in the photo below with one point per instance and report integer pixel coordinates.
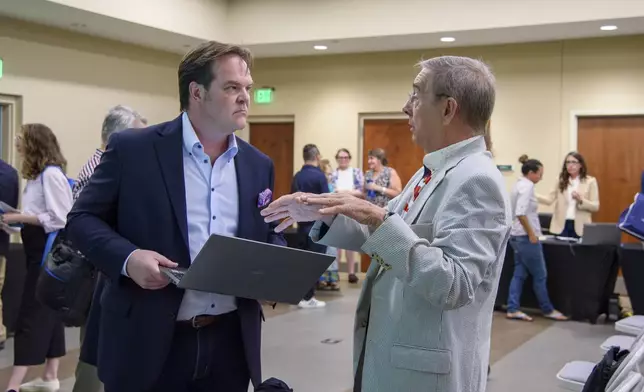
(124, 269)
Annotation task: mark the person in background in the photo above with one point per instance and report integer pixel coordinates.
(118, 119)
(351, 180)
(47, 198)
(524, 240)
(576, 197)
(310, 179)
(9, 194)
(382, 182)
(329, 280)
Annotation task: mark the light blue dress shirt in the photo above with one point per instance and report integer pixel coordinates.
(212, 208)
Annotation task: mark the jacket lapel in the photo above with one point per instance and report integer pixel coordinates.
(424, 195)
(244, 171)
(169, 154)
(441, 162)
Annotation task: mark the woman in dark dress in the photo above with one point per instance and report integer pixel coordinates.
(47, 198)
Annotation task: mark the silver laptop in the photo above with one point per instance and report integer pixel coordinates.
(251, 269)
(601, 234)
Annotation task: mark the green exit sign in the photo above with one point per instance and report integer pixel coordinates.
(1, 68)
(264, 95)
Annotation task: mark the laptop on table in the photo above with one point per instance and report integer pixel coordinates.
(251, 269)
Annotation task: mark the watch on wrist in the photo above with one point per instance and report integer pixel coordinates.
(387, 215)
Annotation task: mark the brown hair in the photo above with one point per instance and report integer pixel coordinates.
(344, 150)
(196, 66)
(324, 165)
(564, 176)
(40, 149)
(529, 165)
(379, 154)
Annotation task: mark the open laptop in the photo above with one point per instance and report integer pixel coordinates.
(601, 234)
(251, 269)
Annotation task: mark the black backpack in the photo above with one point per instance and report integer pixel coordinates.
(66, 282)
(604, 370)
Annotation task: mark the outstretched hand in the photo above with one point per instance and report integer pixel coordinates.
(360, 210)
(290, 209)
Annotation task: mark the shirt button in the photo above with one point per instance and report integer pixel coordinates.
(212, 306)
(214, 217)
(205, 161)
(198, 145)
(212, 189)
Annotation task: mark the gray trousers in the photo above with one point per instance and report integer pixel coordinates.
(86, 374)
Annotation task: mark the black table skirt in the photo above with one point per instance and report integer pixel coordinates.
(631, 259)
(581, 279)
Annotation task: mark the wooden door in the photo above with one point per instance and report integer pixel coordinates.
(613, 147)
(276, 140)
(394, 137)
(403, 154)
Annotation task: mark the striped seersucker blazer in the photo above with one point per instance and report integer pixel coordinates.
(423, 322)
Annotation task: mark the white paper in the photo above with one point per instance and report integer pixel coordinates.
(4, 208)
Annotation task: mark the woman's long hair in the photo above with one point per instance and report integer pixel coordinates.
(39, 149)
(564, 177)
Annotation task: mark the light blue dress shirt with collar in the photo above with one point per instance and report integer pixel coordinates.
(212, 208)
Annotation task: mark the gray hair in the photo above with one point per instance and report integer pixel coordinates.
(118, 119)
(470, 82)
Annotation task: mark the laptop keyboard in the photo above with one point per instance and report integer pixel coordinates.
(175, 275)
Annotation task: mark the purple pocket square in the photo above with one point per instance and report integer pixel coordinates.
(264, 198)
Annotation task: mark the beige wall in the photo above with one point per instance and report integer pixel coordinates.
(68, 82)
(538, 87)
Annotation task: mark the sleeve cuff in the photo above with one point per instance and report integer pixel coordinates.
(124, 269)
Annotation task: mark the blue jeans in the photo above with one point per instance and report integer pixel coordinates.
(528, 258)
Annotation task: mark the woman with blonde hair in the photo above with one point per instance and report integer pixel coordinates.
(47, 198)
(576, 197)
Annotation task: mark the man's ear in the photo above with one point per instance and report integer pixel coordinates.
(196, 91)
(449, 111)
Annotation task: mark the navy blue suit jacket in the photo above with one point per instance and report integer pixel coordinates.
(9, 193)
(136, 199)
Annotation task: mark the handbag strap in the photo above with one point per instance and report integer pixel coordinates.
(51, 237)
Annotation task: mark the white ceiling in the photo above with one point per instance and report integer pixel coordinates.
(52, 14)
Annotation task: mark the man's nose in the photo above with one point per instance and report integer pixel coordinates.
(406, 109)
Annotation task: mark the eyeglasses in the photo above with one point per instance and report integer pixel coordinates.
(413, 96)
(342, 158)
(572, 162)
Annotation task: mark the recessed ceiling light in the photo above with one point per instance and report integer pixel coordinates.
(608, 28)
(320, 47)
(448, 39)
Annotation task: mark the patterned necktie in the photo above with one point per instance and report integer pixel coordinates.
(426, 178)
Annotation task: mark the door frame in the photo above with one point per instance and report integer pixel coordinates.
(14, 110)
(373, 116)
(576, 114)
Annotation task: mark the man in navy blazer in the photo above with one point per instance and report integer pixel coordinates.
(154, 199)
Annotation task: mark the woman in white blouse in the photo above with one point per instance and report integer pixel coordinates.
(524, 240)
(351, 180)
(47, 198)
(576, 197)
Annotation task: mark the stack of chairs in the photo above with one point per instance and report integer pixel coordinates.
(629, 377)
